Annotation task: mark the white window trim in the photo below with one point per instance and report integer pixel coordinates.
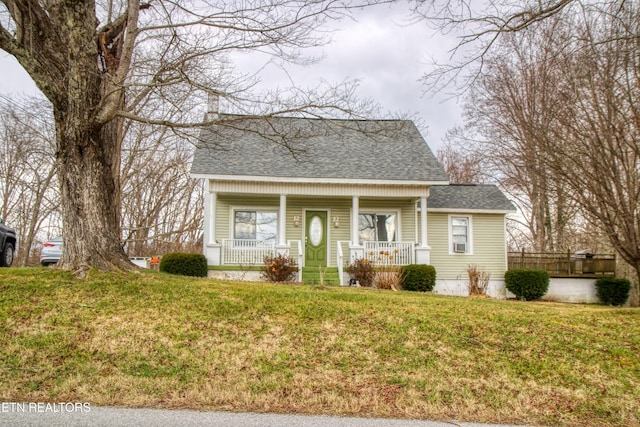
(469, 251)
(385, 212)
(232, 216)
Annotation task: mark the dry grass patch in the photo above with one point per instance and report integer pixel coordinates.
(153, 340)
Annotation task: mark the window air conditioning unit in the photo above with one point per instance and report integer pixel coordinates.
(460, 248)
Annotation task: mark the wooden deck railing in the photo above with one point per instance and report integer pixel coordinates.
(565, 264)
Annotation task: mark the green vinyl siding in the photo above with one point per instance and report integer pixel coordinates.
(487, 230)
(487, 250)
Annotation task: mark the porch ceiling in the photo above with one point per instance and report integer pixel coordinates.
(382, 190)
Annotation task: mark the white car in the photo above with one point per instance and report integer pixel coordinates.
(51, 251)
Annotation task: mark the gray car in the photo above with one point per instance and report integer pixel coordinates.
(51, 251)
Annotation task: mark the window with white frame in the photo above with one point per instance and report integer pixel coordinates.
(460, 234)
(380, 227)
(255, 225)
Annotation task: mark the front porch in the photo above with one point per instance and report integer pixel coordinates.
(252, 252)
(316, 231)
(248, 255)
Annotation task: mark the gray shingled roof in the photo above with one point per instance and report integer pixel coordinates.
(468, 197)
(316, 149)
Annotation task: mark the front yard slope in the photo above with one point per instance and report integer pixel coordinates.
(154, 340)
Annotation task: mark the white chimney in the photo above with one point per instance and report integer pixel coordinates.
(212, 106)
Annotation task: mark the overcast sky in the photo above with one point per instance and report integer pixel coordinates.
(379, 50)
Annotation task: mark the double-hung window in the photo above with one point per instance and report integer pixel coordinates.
(380, 227)
(460, 234)
(255, 225)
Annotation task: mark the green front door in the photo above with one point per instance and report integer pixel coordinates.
(315, 254)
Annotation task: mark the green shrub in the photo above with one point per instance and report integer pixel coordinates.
(361, 270)
(526, 284)
(279, 268)
(418, 277)
(612, 291)
(184, 264)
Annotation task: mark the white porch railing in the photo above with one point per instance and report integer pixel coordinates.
(378, 253)
(389, 253)
(252, 252)
(297, 254)
(246, 252)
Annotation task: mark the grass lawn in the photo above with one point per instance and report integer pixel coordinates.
(155, 340)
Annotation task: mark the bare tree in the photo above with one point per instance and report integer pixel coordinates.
(514, 109)
(27, 172)
(97, 62)
(460, 160)
(557, 105)
(161, 209)
(596, 149)
(481, 27)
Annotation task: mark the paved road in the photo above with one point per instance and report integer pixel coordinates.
(115, 417)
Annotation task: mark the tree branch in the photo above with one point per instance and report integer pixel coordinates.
(125, 27)
(34, 45)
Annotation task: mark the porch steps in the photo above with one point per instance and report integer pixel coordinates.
(317, 276)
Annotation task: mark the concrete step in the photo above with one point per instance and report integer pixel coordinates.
(317, 276)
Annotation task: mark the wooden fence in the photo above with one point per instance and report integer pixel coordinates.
(565, 264)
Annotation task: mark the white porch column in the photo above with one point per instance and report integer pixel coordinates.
(282, 221)
(212, 249)
(355, 218)
(423, 252)
(211, 221)
(281, 245)
(355, 249)
(423, 222)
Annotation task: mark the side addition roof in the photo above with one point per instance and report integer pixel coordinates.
(316, 149)
(468, 197)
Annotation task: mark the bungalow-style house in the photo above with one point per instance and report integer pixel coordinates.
(327, 192)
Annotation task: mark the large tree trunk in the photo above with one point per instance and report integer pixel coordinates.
(90, 191)
(88, 155)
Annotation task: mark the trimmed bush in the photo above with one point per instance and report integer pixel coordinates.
(612, 291)
(279, 268)
(184, 264)
(526, 284)
(418, 277)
